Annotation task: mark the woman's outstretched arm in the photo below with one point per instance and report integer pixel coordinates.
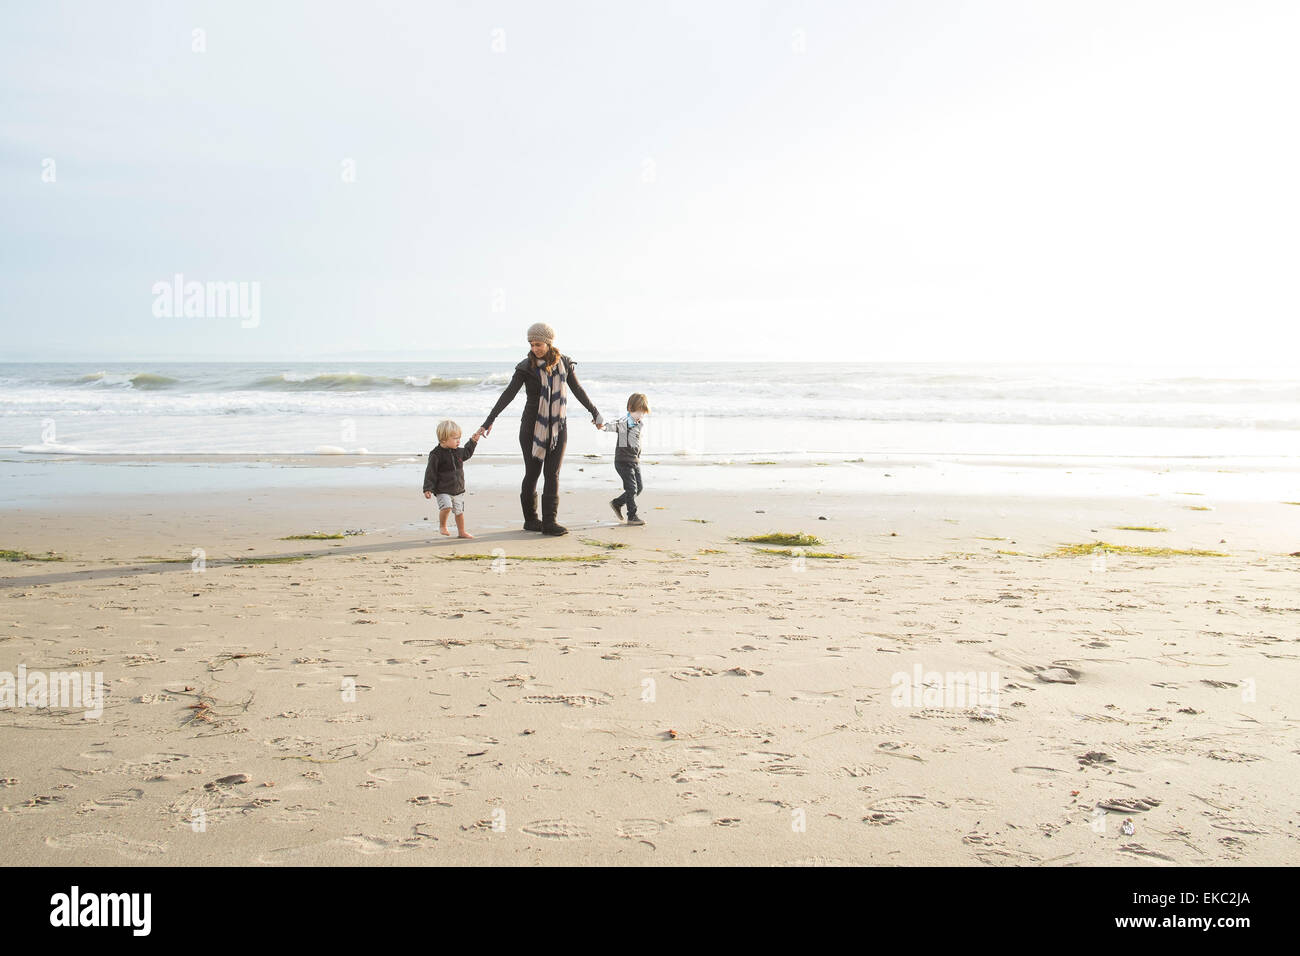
(507, 396)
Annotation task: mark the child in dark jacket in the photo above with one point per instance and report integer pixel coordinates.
(444, 476)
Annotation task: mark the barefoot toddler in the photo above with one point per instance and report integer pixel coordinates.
(444, 476)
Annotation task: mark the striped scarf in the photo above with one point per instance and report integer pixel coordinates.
(550, 409)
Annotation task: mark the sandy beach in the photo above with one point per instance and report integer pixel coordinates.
(656, 695)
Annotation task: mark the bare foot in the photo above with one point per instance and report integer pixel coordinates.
(445, 531)
(464, 534)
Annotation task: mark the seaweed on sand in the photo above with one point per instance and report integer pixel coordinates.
(792, 553)
(7, 555)
(796, 540)
(1093, 547)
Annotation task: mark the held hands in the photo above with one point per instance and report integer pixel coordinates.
(428, 494)
(478, 435)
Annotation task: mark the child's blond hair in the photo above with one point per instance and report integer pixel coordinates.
(636, 402)
(448, 429)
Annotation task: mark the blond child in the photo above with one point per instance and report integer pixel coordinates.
(444, 476)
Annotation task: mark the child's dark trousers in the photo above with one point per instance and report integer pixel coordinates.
(630, 472)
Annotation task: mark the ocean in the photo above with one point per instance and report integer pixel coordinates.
(782, 414)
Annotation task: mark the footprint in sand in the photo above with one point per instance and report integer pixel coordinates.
(816, 697)
(34, 804)
(570, 700)
(903, 804)
(695, 772)
(298, 813)
(215, 803)
(555, 830)
(1232, 756)
(889, 810)
(815, 861)
(693, 671)
(1060, 672)
(1056, 675)
(696, 818)
(369, 845)
(1137, 849)
(895, 748)
(103, 840)
(883, 729)
(546, 767)
(393, 774)
(1129, 804)
(639, 829)
(112, 801)
(1239, 826)
(993, 852)
(1095, 758)
(857, 770)
(781, 767)
(1234, 845)
(152, 764)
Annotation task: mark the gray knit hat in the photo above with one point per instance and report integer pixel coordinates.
(541, 332)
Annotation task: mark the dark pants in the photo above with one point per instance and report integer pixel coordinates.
(630, 472)
(549, 466)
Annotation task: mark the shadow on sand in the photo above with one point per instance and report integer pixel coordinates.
(425, 543)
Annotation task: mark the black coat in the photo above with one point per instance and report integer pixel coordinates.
(529, 377)
(445, 473)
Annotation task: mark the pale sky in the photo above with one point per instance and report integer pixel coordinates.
(1077, 180)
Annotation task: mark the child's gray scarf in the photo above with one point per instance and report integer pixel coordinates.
(550, 409)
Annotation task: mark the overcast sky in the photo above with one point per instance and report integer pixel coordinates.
(913, 180)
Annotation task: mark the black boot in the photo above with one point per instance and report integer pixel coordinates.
(550, 506)
(529, 503)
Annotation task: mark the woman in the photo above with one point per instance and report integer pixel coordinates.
(547, 377)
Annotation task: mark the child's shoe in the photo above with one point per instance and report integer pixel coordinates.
(618, 508)
(634, 520)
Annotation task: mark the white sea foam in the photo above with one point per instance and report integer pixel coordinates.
(701, 411)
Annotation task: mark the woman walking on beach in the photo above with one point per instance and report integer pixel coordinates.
(547, 377)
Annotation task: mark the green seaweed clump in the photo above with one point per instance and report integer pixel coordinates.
(796, 540)
(1073, 550)
(791, 553)
(7, 555)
